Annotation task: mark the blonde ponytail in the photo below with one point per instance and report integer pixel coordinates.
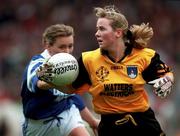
(141, 35)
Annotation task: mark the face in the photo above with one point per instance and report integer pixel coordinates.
(105, 34)
(62, 45)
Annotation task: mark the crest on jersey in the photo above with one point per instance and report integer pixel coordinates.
(132, 71)
(102, 73)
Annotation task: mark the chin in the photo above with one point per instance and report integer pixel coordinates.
(101, 45)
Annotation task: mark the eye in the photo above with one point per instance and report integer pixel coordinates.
(70, 46)
(101, 28)
(61, 47)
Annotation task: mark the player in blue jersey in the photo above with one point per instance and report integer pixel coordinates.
(48, 111)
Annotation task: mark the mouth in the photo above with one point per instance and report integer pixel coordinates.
(100, 41)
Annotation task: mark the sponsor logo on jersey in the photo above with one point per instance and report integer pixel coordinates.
(102, 73)
(116, 67)
(132, 71)
(118, 90)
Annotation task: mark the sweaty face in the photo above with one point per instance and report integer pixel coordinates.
(62, 44)
(105, 34)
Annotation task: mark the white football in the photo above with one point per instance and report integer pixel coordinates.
(66, 69)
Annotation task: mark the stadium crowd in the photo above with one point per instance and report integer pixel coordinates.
(22, 23)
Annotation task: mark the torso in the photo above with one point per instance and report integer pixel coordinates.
(118, 87)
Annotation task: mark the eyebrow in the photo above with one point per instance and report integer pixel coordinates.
(66, 44)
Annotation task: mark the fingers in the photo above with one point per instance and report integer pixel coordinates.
(95, 132)
(164, 94)
(46, 72)
(158, 82)
(47, 77)
(164, 91)
(46, 60)
(163, 86)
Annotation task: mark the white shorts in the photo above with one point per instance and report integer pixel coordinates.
(60, 126)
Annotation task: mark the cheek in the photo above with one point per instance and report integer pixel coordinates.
(105, 36)
(108, 37)
(71, 50)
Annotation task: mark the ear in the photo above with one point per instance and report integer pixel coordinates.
(46, 45)
(118, 32)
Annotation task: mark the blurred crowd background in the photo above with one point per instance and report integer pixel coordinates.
(22, 23)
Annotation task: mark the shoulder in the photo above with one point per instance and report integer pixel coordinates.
(145, 52)
(143, 56)
(39, 56)
(148, 51)
(35, 61)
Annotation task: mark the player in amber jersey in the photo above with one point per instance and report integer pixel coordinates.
(115, 75)
(117, 72)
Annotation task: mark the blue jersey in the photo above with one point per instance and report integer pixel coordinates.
(40, 104)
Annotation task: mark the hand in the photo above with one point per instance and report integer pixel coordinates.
(45, 72)
(94, 126)
(163, 86)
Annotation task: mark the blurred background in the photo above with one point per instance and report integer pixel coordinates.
(22, 23)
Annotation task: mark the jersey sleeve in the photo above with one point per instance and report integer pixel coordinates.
(31, 73)
(156, 69)
(82, 89)
(78, 101)
(83, 77)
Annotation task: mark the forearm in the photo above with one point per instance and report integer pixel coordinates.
(89, 118)
(45, 86)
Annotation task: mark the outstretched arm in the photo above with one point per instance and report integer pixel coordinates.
(160, 76)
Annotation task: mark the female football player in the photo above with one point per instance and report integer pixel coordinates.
(116, 73)
(48, 111)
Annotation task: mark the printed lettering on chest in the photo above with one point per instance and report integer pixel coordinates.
(117, 90)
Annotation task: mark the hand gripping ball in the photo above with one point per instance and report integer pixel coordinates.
(65, 69)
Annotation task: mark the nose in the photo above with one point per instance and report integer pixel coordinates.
(97, 33)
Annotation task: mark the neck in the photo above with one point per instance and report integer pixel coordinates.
(117, 53)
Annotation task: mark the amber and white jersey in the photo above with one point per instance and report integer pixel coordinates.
(119, 87)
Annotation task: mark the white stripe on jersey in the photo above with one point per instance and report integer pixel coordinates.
(31, 75)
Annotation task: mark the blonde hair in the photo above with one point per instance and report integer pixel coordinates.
(54, 31)
(112, 13)
(141, 34)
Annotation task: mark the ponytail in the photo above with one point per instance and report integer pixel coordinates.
(139, 35)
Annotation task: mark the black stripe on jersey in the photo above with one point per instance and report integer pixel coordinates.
(156, 69)
(83, 76)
